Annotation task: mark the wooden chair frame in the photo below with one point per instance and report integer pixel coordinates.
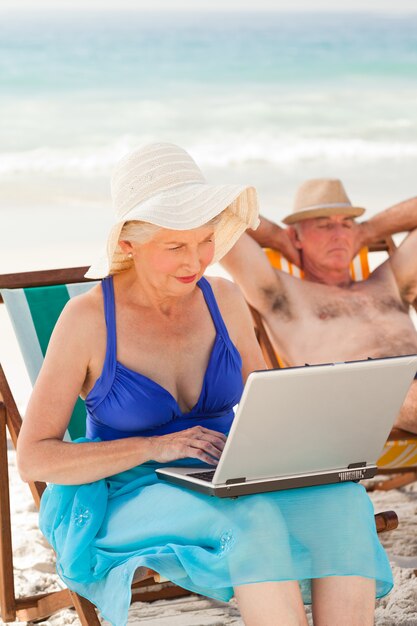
(41, 606)
(400, 477)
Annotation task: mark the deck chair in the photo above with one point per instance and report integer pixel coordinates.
(34, 301)
(399, 457)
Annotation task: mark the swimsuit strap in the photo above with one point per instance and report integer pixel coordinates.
(110, 317)
(213, 307)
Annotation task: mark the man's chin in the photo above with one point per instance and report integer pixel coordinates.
(337, 266)
(339, 259)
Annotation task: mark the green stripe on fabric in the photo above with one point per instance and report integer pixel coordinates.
(45, 305)
(77, 425)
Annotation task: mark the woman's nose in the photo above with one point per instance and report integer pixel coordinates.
(192, 261)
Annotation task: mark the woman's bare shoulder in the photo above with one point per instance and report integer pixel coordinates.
(224, 289)
(229, 299)
(75, 338)
(82, 313)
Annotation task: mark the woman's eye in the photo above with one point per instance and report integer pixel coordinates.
(176, 248)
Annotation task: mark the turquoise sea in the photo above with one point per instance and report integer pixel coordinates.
(263, 98)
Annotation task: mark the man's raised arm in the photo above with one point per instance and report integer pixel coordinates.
(399, 218)
(270, 235)
(249, 266)
(404, 266)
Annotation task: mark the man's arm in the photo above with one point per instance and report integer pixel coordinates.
(270, 235)
(249, 266)
(401, 217)
(398, 218)
(404, 266)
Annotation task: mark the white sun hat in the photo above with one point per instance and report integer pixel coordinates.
(161, 184)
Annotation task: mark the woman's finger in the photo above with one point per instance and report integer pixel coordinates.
(215, 441)
(197, 453)
(207, 447)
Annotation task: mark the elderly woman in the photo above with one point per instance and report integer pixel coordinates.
(160, 354)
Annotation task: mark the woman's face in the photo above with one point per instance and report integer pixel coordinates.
(175, 259)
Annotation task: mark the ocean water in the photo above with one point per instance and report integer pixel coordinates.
(263, 98)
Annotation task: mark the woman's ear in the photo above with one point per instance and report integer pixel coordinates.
(125, 246)
(294, 237)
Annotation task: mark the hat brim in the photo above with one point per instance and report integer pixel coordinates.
(175, 209)
(309, 214)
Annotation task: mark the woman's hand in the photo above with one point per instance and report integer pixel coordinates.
(197, 443)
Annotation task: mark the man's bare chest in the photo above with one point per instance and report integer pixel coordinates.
(361, 305)
(326, 323)
(365, 300)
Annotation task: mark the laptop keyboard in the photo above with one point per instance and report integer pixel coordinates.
(207, 476)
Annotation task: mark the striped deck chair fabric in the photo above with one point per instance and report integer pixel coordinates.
(34, 312)
(401, 452)
(359, 267)
(398, 452)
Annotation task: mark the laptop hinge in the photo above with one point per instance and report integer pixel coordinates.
(356, 465)
(232, 481)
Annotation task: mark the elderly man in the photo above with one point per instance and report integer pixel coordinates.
(327, 316)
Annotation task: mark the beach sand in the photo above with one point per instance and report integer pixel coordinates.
(35, 568)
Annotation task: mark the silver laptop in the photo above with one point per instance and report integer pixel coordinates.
(305, 426)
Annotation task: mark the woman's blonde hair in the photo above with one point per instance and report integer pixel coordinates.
(139, 232)
(142, 232)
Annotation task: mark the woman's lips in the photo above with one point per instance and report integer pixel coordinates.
(186, 279)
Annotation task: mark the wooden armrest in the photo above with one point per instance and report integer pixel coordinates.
(385, 521)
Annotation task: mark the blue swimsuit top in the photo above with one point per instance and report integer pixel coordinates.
(125, 403)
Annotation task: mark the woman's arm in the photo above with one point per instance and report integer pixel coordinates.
(41, 452)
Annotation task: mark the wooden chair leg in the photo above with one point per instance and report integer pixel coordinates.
(7, 591)
(86, 611)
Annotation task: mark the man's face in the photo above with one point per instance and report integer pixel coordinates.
(328, 242)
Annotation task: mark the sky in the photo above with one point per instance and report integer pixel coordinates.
(216, 5)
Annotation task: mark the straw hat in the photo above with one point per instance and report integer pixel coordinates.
(161, 184)
(321, 197)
